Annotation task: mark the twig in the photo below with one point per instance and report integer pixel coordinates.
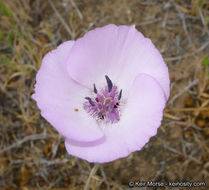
(55, 146)
(4, 90)
(25, 139)
(104, 176)
(61, 20)
(187, 109)
(42, 161)
(166, 146)
(147, 22)
(165, 19)
(201, 142)
(186, 88)
(181, 15)
(203, 20)
(52, 162)
(77, 9)
(167, 115)
(188, 54)
(92, 173)
(38, 10)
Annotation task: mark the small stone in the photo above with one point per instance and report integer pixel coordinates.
(206, 131)
(189, 102)
(201, 122)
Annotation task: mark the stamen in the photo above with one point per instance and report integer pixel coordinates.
(90, 101)
(101, 115)
(95, 89)
(109, 83)
(104, 105)
(120, 95)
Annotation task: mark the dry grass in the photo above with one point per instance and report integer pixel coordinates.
(32, 154)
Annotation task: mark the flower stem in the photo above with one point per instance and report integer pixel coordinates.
(92, 173)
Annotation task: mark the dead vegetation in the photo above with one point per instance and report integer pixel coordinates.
(32, 153)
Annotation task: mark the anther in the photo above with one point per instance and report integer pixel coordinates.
(120, 95)
(95, 89)
(90, 101)
(100, 115)
(109, 83)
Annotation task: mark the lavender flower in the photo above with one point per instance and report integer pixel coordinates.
(105, 92)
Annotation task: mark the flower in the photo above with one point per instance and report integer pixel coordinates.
(105, 92)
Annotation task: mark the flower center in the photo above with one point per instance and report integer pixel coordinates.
(105, 103)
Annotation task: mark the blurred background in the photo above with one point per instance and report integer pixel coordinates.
(32, 153)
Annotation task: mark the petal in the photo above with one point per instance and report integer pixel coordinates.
(121, 52)
(140, 119)
(60, 99)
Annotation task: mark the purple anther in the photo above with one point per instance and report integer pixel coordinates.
(95, 89)
(90, 101)
(109, 83)
(101, 115)
(120, 95)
